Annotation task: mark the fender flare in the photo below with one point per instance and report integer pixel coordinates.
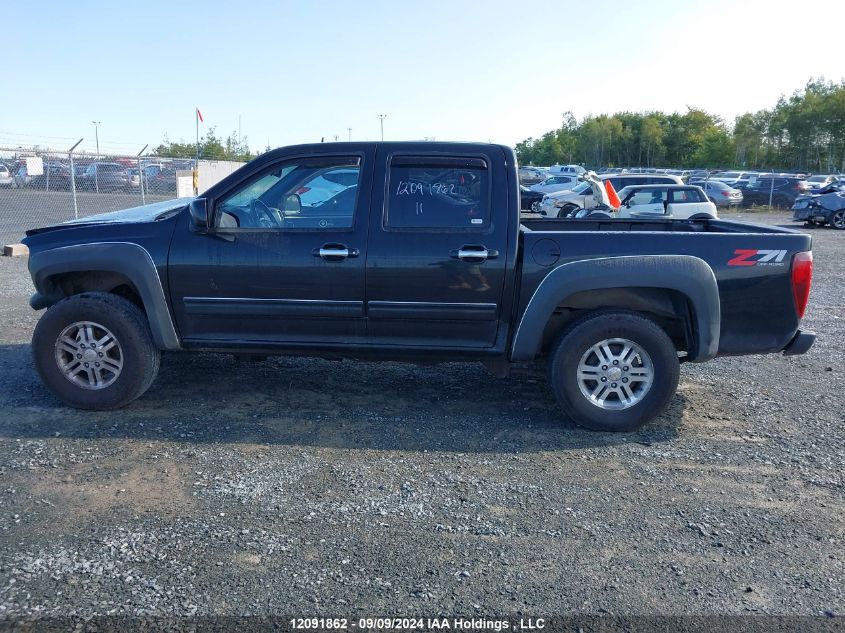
(130, 260)
(688, 275)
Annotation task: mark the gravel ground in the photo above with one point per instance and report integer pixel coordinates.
(299, 486)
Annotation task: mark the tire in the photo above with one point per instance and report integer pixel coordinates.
(656, 359)
(837, 220)
(599, 215)
(701, 216)
(568, 210)
(90, 317)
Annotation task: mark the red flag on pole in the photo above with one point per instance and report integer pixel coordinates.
(199, 115)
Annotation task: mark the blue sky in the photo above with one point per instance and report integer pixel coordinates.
(484, 70)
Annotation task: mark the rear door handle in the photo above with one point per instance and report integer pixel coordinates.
(473, 253)
(335, 252)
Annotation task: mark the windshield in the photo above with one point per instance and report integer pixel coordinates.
(581, 188)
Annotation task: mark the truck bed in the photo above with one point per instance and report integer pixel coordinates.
(751, 264)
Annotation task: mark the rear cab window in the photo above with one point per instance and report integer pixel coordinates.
(438, 193)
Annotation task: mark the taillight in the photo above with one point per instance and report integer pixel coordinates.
(302, 190)
(802, 277)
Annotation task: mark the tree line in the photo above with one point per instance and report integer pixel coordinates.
(803, 132)
(211, 147)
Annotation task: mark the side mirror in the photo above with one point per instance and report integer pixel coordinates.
(198, 209)
(293, 203)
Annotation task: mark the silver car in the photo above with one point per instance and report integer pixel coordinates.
(721, 194)
(561, 182)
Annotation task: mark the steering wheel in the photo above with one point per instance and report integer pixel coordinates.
(265, 211)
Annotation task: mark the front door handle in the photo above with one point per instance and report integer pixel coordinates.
(335, 252)
(474, 253)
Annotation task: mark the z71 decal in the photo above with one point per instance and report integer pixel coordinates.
(754, 257)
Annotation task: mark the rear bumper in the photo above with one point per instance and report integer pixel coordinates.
(800, 343)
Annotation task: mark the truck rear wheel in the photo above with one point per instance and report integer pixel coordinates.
(95, 351)
(613, 370)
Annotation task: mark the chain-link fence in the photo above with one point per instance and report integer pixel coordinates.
(39, 188)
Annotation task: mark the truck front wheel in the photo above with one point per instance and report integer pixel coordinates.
(613, 370)
(95, 351)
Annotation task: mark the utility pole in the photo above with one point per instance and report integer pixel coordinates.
(97, 136)
(381, 118)
(96, 167)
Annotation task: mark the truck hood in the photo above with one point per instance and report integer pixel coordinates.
(134, 215)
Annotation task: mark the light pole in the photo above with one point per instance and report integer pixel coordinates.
(381, 118)
(349, 131)
(97, 140)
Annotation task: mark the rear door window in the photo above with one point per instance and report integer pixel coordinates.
(648, 197)
(438, 193)
(686, 195)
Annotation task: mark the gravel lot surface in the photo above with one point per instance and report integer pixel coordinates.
(301, 487)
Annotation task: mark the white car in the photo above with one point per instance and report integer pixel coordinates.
(555, 183)
(679, 202)
(563, 204)
(6, 178)
(575, 170)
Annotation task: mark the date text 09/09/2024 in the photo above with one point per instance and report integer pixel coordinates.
(424, 624)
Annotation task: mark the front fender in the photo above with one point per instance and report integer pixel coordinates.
(690, 276)
(130, 260)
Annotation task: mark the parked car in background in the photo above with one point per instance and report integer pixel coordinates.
(732, 177)
(133, 178)
(531, 175)
(55, 177)
(567, 203)
(575, 170)
(6, 178)
(783, 190)
(160, 180)
(827, 207)
(22, 177)
(721, 194)
(555, 183)
(678, 202)
(818, 182)
(104, 177)
(529, 200)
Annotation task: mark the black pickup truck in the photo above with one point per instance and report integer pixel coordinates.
(409, 251)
